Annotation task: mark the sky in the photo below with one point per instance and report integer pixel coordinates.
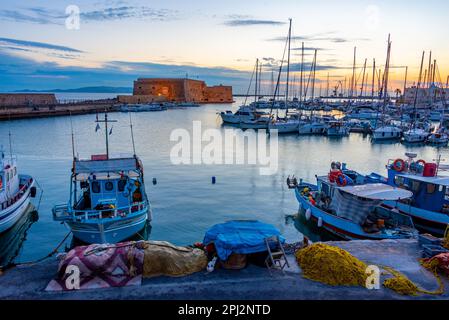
(42, 45)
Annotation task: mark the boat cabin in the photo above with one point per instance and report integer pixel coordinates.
(9, 179)
(115, 184)
(429, 193)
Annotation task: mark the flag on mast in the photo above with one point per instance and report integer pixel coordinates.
(110, 131)
(97, 127)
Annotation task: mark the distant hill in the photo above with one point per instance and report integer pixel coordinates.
(100, 89)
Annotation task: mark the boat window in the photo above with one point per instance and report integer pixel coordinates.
(415, 185)
(96, 187)
(121, 185)
(431, 188)
(109, 186)
(399, 181)
(440, 188)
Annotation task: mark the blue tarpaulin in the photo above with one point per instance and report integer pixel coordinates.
(241, 237)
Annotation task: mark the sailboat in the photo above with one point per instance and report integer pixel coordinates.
(312, 124)
(245, 113)
(108, 202)
(287, 124)
(386, 131)
(415, 134)
(16, 190)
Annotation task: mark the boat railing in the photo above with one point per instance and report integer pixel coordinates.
(62, 212)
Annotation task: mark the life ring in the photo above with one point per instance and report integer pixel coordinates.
(399, 165)
(341, 180)
(422, 162)
(333, 175)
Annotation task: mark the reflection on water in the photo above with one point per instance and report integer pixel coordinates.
(12, 240)
(184, 201)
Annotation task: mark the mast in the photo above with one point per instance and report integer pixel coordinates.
(106, 121)
(417, 90)
(405, 82)
(313, 76)
(288, 66)
(363, 78)
(10, 145)
(353, 73)
(327, 89)
(73, 137)
(301, 76)
(372, 83)
(132, 133)
(255, 84)
(428, 72)
(260, 79)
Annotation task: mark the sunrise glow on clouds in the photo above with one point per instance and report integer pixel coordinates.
(120, 40)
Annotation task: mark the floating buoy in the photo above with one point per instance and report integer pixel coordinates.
(308, 214)
(320, 222)
(154, 181)
(214, 180)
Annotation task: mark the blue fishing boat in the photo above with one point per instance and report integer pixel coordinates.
(108, 202)
(429, 205)
(350, 208)
(16, 190)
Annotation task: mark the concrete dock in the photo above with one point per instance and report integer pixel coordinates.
(28, 282)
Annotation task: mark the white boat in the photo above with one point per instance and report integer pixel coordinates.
(312, 127)
(108, 202)
(188, 104)
(337, 129)
(438, 138)
(15, 192)
(244, 113)
(388, 132)
(142, 107)
(261, 123)
(415, 135)
(284, 126)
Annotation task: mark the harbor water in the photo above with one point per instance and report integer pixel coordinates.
(184, 201)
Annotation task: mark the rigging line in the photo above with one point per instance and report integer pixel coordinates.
(249, 87)
(279, 78)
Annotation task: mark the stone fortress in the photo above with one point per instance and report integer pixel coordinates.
(147, 90)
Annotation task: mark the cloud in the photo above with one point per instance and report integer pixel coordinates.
(23, 45)
(126, 12)
(252, 22)
(20, 73)
(40, 15)
(326, 37)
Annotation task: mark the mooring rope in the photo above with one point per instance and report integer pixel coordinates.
(54, 251)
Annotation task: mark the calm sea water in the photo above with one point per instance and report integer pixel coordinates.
(185, 203)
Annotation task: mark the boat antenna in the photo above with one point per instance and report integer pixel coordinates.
(132, 133)
(10, 145)
(73, 136)
(106, 121)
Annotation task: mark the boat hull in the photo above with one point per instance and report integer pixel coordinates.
(424, 220)
(10, 215)
(104, 231)
(337, 226)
